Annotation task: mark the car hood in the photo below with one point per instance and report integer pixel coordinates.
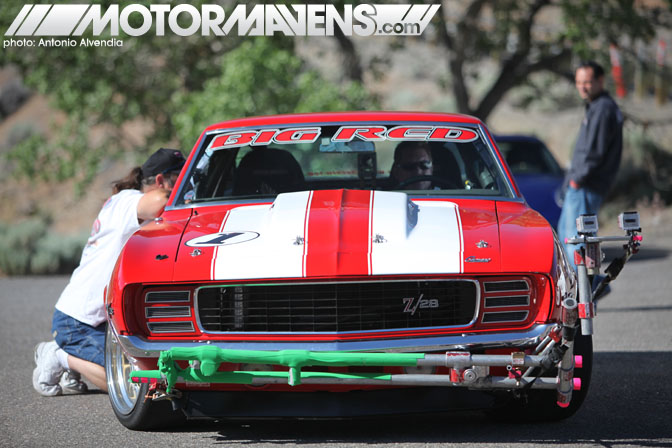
(331, 233)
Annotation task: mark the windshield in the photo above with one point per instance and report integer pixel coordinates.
(419, 159)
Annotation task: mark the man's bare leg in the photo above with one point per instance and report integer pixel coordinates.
(90, 370)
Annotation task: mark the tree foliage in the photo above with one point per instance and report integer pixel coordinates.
(171, 85)
(530, 36)
(245, 87)
(500, 44)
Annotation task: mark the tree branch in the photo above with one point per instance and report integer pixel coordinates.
(514, 69)
(515, 75)
(455, 48)
(352, 67)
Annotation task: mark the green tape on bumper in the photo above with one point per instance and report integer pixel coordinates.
(211, 357)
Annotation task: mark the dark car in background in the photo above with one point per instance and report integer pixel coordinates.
(538, 174)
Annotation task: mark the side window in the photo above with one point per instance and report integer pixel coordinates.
(215, 178)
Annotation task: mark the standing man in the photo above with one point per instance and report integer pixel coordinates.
(597, 154)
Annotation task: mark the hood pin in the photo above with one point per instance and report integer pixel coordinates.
(379, 239)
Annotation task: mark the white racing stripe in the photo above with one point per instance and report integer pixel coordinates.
(274, 254)
(216, 250)
(306, 219)
(434, 245)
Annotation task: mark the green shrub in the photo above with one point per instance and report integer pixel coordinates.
(29, 248)
(646, 171)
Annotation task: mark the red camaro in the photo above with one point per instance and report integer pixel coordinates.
(342, 264)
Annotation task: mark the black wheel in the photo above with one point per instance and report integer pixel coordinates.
(133, 410)
(540, 405)
(436, 180)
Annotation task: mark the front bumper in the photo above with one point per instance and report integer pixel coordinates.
(465, 369)
(138, 347)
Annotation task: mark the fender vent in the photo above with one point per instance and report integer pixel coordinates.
(167, 311)
(170, 327)
(506, 286)
(497, 302)
(167, 296)
(507, 300)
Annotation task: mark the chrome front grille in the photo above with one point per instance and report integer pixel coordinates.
(337, 307)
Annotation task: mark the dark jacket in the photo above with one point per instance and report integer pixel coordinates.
(597, 154)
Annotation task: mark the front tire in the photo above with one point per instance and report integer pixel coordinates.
(133, 410)
(540, 405)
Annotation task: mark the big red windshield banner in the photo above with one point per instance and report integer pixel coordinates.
(235, 139)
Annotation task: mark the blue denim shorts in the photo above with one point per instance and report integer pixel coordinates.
(79, 339)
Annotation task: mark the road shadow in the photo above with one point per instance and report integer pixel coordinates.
(604, 308)
(629, 404)
(645, 253)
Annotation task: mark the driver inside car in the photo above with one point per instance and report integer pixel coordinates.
(412, 159)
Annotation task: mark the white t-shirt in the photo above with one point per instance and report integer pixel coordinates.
(83, 297)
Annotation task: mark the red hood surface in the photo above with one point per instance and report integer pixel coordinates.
(332, 233)
(526, 239)
(149, 254)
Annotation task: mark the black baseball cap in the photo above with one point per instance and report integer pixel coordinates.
(163, 161)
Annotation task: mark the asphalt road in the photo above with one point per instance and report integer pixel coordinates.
(629, 404)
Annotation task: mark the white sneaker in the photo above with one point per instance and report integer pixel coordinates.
(47, 374)
(71, 383)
